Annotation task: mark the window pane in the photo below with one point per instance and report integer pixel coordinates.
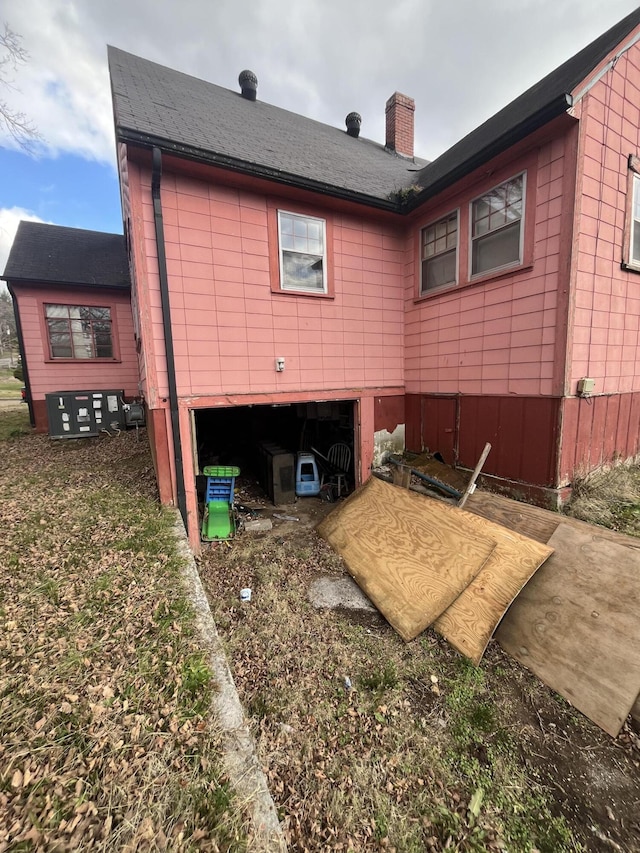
(300, 227)
(104, 347)
(56, 311)
(635, 242)
(439, 271)
(286, 241)
(440, 236)
(314, 230)
(302, 271)
(497, 249)
(286, 224)
(497, 207)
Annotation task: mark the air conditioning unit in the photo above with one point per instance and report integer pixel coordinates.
(82, 414)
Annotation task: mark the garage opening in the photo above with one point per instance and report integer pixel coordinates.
(264, 442)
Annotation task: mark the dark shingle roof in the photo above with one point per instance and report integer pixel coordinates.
(55, 254)
(542, 102)
(154, 104)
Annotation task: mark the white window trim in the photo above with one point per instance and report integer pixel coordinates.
(512, 264)
(323, 223)
(454, 283)
(634, 263)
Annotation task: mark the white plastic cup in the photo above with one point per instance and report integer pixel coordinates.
(245, 594)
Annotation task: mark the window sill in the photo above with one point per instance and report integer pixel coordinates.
(83, 361)
(480, 279)
(630, 267)
(305, 293)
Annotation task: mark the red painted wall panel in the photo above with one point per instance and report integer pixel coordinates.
(598, 431)
(439, 415)
(388, 412)
(522, 431)
(413, 423)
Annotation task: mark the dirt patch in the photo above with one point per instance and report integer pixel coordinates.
(370, 743)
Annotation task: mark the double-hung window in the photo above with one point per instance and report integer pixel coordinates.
(439, 253)
(79, 331)
(497, 227)
(303, 256)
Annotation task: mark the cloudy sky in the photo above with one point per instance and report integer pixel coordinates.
(461, 60)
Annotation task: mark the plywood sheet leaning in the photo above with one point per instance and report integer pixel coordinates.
(412, 556)
(469, 623)
(577, 624)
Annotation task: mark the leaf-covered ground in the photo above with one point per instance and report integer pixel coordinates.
(105, 741)
(373, 744)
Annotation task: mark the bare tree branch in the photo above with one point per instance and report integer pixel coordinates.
(12, 56)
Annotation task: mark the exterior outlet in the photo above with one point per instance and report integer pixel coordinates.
(586, 386)
(279, 364)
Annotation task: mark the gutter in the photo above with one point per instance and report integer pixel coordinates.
(552, 110)
(189, 152)
(168, 334)
(43, 282)
(23, 355)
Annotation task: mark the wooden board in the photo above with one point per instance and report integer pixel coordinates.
(469, 623)
(412, 556)
(535, 522)
(577, 624)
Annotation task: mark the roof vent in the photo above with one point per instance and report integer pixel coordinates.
(248, 85)
(353, 122)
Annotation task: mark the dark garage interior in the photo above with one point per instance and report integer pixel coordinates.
(239, 435)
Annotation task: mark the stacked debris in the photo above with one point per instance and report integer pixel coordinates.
(565, 595)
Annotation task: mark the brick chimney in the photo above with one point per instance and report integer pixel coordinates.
(399, 112)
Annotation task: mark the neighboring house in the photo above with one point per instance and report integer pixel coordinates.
(491, 295)
(72, 300)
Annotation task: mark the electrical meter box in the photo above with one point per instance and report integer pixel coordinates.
(81, 414)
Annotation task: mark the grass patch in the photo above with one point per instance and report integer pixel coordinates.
(105, 736)
(610, 497)
(14, 423)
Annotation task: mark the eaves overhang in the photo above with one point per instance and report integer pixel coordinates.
(211, 158)
(39, 282)
(465, 165)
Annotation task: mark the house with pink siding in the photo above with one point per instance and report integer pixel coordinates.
(298, 284)
(302, 284)
(71, 296)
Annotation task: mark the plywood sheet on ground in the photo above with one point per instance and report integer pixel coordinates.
(412, 556)
(469, 623)
(577, 624)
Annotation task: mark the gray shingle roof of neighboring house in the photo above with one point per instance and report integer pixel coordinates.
(155, 105)
(59, 255)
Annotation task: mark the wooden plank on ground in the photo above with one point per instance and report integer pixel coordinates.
(535, 522)
(577, 623)
(411, 555)
(469, 623)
